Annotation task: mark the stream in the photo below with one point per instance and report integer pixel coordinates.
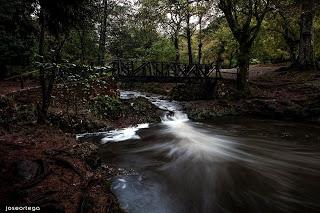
(230, 165)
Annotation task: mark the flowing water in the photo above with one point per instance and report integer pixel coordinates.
(238, 165)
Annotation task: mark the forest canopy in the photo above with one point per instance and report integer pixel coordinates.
(94, 32)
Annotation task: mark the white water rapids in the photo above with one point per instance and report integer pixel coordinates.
(239, 165)
(130, 132)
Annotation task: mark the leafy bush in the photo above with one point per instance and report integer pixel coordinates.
(107, 107)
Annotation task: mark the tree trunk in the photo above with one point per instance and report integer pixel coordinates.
(200, 41)
(42, 112)
(82, 43)
(243, 60)
(199, 53)
(189, 39)
(292, 44)
(46, 79)
(306, 47)
(103, 30)
(230, 60)
(292, 51)
(290, 39)
(220, 53)
(176, 46)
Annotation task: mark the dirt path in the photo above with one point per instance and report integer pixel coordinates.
(255, 71)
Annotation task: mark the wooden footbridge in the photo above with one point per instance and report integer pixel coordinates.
(166, 72)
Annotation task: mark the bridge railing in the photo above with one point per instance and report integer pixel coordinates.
(129, 69)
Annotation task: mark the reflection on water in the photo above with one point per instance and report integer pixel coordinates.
(241, 165)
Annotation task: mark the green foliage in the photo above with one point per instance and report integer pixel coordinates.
(270, 46)
(161, 50)
(143, 30)
(217, 37)
(79, 85)
(107, 107)
(131, 40)
(62, 15)
(80, 47)
(317, 37)
(17, 33)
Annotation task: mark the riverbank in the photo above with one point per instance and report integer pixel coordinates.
(45, 166)
(281, 95)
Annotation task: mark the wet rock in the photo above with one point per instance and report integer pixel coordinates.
(170, 113)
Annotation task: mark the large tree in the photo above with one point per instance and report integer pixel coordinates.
(306, 59)
(188, 10)
(174, 22)
(56, 19)
(244, 18)
(105, 9)
(204, 15)
(284, 20)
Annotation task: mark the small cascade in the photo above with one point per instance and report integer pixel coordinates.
(175, 116)
(172, 115)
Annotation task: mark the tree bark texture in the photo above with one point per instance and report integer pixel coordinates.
(306, 59)
(200, 41)
(243, 60)
(103, 31)
(189, 37)
(176, 46)
(42, 114)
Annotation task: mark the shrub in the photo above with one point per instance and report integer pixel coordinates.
(107, 107)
